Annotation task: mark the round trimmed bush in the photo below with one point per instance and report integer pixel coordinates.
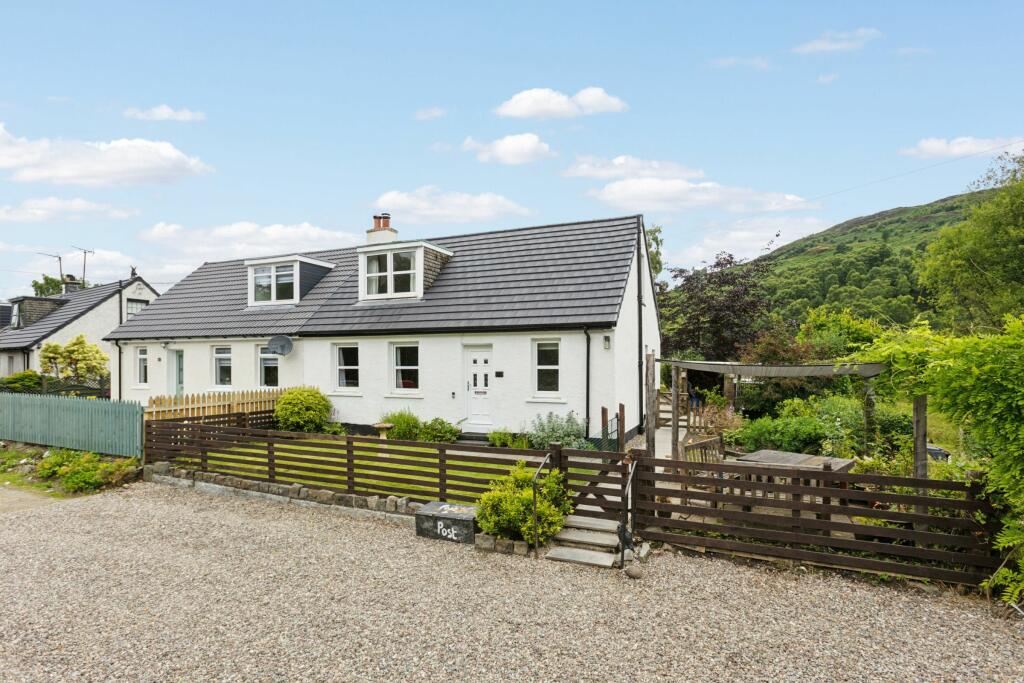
(302, 409)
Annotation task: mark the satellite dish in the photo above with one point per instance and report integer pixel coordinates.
(279, 345)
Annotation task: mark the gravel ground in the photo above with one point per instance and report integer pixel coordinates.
(152, 583)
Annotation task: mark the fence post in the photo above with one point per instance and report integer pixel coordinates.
(825, 500)
(350, 464)
(271, 470)
(197, 436)
(442, 476)
(556, 459)
(796, 498)
(622, 427)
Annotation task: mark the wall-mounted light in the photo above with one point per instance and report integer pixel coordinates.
(607, 341)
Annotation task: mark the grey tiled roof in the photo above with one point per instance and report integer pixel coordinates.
(78, 304)
(555, 276)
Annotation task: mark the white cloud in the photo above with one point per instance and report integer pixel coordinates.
(931, 148)
(243, 239)
(428, 204)
(677, 194)
(55, 208)
(429, 113)
(758, 63)
(827, 79)
(511, 150)
(839, 41)
(548, 103)
(164, 113)
(73, 162)
(746, 238)
(626, 166)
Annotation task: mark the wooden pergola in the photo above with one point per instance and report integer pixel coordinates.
(733, 371)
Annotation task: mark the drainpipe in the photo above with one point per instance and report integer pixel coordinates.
(641, 426)
(586, 417)
(117, 342)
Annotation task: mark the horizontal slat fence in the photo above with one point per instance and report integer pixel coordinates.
(107, 427)
(921, 528)
(370, 465)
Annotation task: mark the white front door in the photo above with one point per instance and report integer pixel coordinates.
(479, 378)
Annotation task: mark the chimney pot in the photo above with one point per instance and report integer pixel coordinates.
(376, 222)
(385, 219)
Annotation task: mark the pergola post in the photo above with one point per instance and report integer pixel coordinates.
(675, 412)
(921, 437)
(730, 390)
(870, 428)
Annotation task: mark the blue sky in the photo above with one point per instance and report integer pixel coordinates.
(165, 135)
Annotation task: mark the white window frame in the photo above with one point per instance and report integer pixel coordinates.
(128, 306)
(537, 367)
(338, 367)
(260, 357)
(141, 354)
(273, 263)
(15, 316)
(214, 356)
(389, 274)
(389, 248)
(395, 367)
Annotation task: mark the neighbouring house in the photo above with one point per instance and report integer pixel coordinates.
(486, 330)
(91, 311)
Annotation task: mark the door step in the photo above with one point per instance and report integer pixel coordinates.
(592, 558)
(591, 523)
(590, 540)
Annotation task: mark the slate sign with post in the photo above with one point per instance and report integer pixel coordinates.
(447, 522)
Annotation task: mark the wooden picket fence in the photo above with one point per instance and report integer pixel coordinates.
(213, 403)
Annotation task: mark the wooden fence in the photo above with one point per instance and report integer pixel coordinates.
(369, 465)
(921, 528)
(108, 427)
(213, 403)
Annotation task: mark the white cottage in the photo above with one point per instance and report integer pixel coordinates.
(486, 330)
(90, 311)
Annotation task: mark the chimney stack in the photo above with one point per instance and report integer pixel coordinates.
(71, 284)
(381, 232)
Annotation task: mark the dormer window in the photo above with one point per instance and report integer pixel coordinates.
(283, 280)
(16, 315)
(391, 273)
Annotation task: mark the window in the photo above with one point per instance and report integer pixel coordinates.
(142, 365)
(133, 306)
(348, 367)
(392, 273)
(268, 368)
(16, 315)
(10, 365)
(222, 366)
(407, 366)
(273, 283)
(547, 366)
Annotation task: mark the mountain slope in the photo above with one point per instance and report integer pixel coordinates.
(866, 264)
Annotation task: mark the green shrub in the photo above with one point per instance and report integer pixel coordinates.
(799, 434)
(50, 466)
(27, 380)
(552, 428)
(406, 425)
(334, 429)
(506, 510)
(439, 430)
(500, 438)
(302, 409)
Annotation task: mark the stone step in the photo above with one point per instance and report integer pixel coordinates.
(591, 523)
(596, 540)
(592, 558)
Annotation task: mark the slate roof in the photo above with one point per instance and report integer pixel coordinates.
(78, 304)
(561, 276)
(5, 314)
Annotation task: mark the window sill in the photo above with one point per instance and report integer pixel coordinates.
(416, 395)
(546, 399)
(343, 392)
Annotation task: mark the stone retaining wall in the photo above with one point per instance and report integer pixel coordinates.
(387, 508)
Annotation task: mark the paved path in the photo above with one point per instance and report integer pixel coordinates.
(152, 583)
(12, 498)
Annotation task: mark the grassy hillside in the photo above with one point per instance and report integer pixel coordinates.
(866, 264)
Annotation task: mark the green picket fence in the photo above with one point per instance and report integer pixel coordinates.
(108, 427)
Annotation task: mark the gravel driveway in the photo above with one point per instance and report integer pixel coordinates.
(153, 583)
